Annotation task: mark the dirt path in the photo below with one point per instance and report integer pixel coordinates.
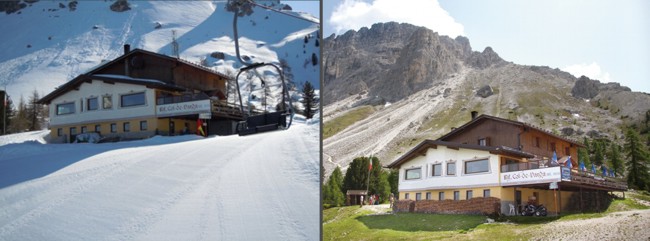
(627, 225)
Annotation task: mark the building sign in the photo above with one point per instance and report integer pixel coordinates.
(184, 108)
(207, 115)
(566, 174)
(542, 175)
(553, 185)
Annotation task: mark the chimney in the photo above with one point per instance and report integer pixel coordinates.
(474, 114)
(127, 49)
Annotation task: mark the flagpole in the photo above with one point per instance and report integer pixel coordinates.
(4, 112)
(369, 168)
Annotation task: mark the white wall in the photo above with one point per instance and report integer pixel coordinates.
(98, 88)
(461, 180)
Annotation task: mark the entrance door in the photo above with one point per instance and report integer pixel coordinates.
(518, 197)
(172, 128)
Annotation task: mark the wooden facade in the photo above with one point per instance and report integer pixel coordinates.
(172, 93)
(494, 131)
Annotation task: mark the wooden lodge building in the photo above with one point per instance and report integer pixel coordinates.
(503, 159)
(141, 94)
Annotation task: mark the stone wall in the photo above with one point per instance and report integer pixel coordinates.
(478, 205)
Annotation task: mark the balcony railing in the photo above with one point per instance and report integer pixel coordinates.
(581, 177)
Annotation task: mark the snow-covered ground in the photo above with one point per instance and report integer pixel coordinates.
(258, 187)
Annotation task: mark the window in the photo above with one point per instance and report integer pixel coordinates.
(413, 173)
(143, 125)
(486, 193)
(428, 195)
(84, 129)
(456, 195)
(441, 196)
(113, 128)
(406, 196)
(126, 126)
(451, 169)
(436, 170)
(98, 128)
(567, 151)
(469, 194)
(477, 166)
(536, 141)
(132, 99)
(107, 102)
(484, 141)
(73, 130)
(93, 104)
(59, 131)
(553, 146)
(64, 109)
(418, 196)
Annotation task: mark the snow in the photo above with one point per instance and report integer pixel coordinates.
(129, 78)
(258, 187)
(64, 43)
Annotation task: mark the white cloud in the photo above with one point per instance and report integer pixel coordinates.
(593, 71)
(355, 14)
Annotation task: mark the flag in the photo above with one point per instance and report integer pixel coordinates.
(199, 128)
(569, 164)
(582, 167)
(370, 164)
(554, 159)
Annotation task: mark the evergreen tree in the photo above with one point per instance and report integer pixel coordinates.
(309, 102)
(383, 186)
(332, 194)
(599, 154)
(356, 177)
(393, 180)
(583, 156)
(314, 59)
(615, 159)
(18, 122)
(34, 112)
(637, 161)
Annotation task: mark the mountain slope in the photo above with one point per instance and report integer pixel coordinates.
(421, 85)
(45, 45)
(164, 188)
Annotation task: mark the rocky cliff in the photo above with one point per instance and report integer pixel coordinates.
(412, 84)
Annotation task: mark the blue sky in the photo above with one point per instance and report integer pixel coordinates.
(603, 39)
(310, 6)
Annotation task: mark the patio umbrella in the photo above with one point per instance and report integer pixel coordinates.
(569, 164)
(604, 171)
(554, 159)
(582, 167)
(593, 168)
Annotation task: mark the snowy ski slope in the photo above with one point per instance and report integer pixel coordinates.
(259, 187)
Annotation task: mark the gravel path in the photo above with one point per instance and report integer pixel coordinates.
(627, 225)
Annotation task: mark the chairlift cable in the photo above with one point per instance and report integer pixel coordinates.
(280, 12)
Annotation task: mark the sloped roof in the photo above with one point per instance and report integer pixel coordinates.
(92, 74)
(481, 118)
(422, 148)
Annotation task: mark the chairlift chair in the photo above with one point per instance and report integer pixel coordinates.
(258, 123)
(270, 121)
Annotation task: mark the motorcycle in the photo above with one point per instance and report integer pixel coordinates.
(534, 210)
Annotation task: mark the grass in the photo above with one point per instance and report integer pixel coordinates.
(353, 223)
(338, 124)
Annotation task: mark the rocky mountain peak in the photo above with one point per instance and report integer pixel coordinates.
(485, 59)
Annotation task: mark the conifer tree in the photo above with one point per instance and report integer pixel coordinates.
(393, 180)
(637, 161)
(356, 177)
(332, 194)
(599, 155)
(309, 102)
(615, 159)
